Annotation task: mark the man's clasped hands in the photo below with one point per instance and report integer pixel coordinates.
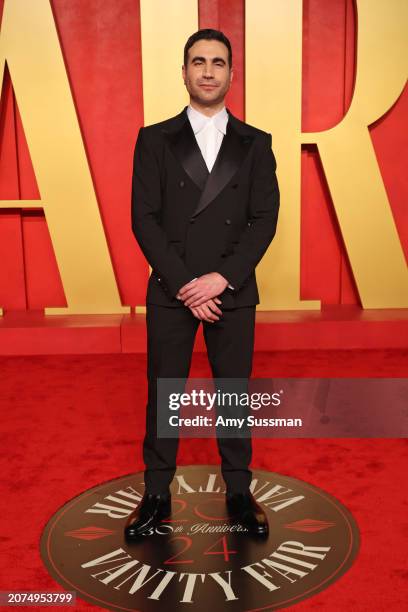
(200, 295)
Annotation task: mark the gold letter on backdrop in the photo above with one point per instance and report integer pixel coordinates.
(273, 98)
(30, 45)
(165, 27)
(273, 80)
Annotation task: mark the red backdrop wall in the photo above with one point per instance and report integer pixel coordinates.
(100, 41)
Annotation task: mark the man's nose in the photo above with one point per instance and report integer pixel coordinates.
(208, 71)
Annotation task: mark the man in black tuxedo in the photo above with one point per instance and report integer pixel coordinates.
(205, 202)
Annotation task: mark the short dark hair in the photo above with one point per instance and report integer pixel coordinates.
(208, 34)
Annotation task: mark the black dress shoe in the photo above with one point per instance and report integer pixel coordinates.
(151, 510)
(244, 508)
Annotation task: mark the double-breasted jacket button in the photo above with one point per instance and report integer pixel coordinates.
(181, 183)
(228, 221)
(234, 186)
(192, 220)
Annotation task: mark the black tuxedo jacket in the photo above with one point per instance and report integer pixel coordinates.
(189, 222)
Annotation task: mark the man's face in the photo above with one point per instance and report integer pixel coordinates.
(207, 75)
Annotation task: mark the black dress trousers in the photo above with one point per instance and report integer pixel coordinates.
(170, 340)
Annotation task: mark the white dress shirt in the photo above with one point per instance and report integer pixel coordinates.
(209, 132)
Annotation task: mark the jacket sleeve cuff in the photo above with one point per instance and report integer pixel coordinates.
(173, 287)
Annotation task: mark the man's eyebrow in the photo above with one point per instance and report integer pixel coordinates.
(215, 59)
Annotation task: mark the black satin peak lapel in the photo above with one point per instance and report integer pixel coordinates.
(233, 150)
(184, 146)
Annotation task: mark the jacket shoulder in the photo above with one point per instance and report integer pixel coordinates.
(249, 129)
(167, 124)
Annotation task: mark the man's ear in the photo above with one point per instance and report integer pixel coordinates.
(183, 73)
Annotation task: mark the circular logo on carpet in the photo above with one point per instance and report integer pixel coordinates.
(200, 558)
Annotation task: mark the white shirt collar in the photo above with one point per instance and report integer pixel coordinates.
(199, 120)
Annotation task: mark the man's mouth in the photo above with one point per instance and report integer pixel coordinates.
(208, 86)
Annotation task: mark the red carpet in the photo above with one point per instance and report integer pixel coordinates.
(71, 422)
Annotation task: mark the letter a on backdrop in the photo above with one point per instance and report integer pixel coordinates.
(30, 46)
